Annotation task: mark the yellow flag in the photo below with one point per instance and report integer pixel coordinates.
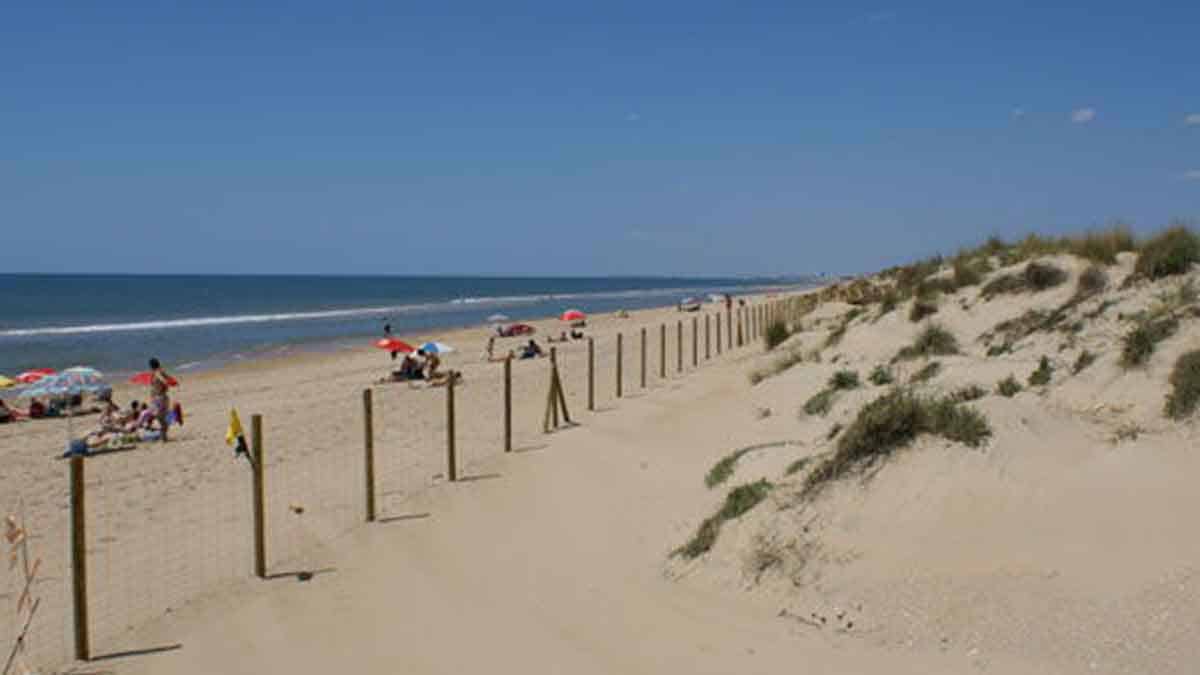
(235, 428)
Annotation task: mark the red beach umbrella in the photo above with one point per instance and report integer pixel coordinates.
(573, 315)
(393, 345)
(147, 376)
(31, 376)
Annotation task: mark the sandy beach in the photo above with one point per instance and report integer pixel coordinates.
(1045, 534)
(171, 523)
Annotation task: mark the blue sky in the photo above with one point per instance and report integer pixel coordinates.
(581, 138)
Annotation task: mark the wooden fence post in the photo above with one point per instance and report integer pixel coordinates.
(620, 361)
(83, 650)
(718, 333)
(729, 327)
(259, 496)
(451, 460)
(554, 386)
(662, 350)
(643, 355)
(707, 337)
(679, 346)
(695, 342)
(591, 374)
(369, 451)
(508, 403)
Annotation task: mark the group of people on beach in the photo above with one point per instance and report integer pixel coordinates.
(421, 366)
(530, 350)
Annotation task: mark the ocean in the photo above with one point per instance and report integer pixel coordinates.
(115, 323)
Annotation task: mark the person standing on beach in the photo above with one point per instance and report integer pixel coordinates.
(160, 399)
(387, 334)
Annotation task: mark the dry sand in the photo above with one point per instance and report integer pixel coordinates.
(1064, 545)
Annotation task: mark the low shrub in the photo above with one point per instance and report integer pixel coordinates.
(892, 421)
(1185, 386)
(927, 373)
(776, 334)
(1005, 283)
(922, 307)
(780, 364)
(969, 272)
(1041, 276)
(881, 375)
(738, 502)
(820, 403)
(1172, 251)
(1102, 246)
(1139, 343)
(844, 379)
(1084, 360)
(1041, 376)
(934, 340)
(1002, 348)
(971, 392)
(1008, 387)
(1092, 282)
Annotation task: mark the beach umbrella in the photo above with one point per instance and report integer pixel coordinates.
(393, 345)
(497, 318)
(146, 377)
(573, 315)
(70, 382)
(31, 376)
(436, 348)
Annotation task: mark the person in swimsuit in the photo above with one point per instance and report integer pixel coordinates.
(160, 399)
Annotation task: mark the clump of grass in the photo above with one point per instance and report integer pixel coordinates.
(1092, 282)
(844, 379)
(776, 334)
(1185, 386)
(1005, 283)
(723, 469)
(1084, 360)
(1002, 348)
(738, 502)
(1139, 344)
(1041, 376)
(1172, 251)
(1008, 387)
(934, 340)
(881, 375)
(888, 302)
(971, 392)
(798, 465)
(820, 403)
(927, 373)
(780, 364)
(969, 272)
(1041, 276)
(1102, 246)
(834, 431)
(892, 421)
(922, 307)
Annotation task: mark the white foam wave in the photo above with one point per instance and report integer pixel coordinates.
(207, 321)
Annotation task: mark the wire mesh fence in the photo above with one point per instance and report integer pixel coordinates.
(161, 532)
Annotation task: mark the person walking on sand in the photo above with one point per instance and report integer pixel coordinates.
(387, 334)
(160, 399)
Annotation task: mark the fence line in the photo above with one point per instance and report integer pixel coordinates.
(143, 540)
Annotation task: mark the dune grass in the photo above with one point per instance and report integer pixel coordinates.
(1184, 397)
(970, 392)
(892, 421)
(1084, 360)
(776, 334)
(881, 375)
(1091, 282)
(933, 340)
(820, 403)
(1042, 374)
(844, 379)
(738, 502)
(1139, 343)
(785, 361)
(1008, 387)
(1172, 251)
(930, 371)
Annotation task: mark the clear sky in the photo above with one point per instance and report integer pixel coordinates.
(609, 137)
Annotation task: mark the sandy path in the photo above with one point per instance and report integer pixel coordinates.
(553, 566)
